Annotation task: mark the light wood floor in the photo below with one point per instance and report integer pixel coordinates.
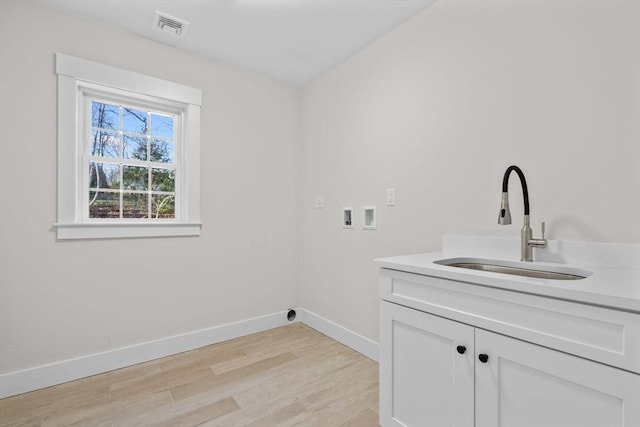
(287, 376)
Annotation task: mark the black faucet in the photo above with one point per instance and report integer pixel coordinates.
(504, 217)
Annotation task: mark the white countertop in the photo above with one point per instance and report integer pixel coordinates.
(616, 285)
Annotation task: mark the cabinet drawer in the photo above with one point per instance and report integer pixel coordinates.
(596, 333)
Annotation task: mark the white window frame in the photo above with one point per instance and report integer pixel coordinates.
(77, 76)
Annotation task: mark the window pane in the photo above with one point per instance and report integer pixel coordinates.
(134, 147)
(104, 175)
(104, 116)
(135, 177)
(163, 180)
(163, 206)
(135, 205)
(105, 144)
(104, 205)
(161, 151)
(136, 136)
(134, 121)
(162, 126)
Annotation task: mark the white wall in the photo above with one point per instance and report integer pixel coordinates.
(440, 107)
(436, 109)
(60, 300)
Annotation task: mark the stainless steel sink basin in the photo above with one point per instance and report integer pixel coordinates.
(516, 268)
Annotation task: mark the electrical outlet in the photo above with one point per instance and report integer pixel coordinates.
(319, 202)
(391, 197)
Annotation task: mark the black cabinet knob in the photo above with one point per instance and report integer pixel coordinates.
(461, 349)
(483, 357)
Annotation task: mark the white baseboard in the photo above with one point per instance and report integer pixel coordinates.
(19, 382)
(359, 343)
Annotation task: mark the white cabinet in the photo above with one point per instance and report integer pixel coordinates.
(431, 372)
(523, 384)
(426, 369)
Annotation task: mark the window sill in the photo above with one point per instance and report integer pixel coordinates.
(104, 230)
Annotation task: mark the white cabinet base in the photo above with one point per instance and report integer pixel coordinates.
(426, 381)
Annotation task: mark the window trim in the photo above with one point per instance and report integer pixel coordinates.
(74, 74)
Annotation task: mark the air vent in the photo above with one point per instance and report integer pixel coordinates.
(170, 24)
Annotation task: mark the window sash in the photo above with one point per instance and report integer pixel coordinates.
(88, 94)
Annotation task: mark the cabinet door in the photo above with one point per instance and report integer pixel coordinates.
(522, 384)
(425, 380)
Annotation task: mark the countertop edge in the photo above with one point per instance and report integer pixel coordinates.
(592, 290)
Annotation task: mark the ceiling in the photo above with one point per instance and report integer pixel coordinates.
(293, 41)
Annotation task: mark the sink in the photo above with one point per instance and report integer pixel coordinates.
(516, 268)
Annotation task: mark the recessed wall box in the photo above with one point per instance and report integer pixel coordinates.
(347, 217)
(369, 217)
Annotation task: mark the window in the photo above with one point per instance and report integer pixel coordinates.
(130, 159)
(128, 153)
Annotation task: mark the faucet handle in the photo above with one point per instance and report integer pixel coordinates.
(538, 243)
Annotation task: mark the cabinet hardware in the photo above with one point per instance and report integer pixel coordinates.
(483, 357)
(461, 349)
